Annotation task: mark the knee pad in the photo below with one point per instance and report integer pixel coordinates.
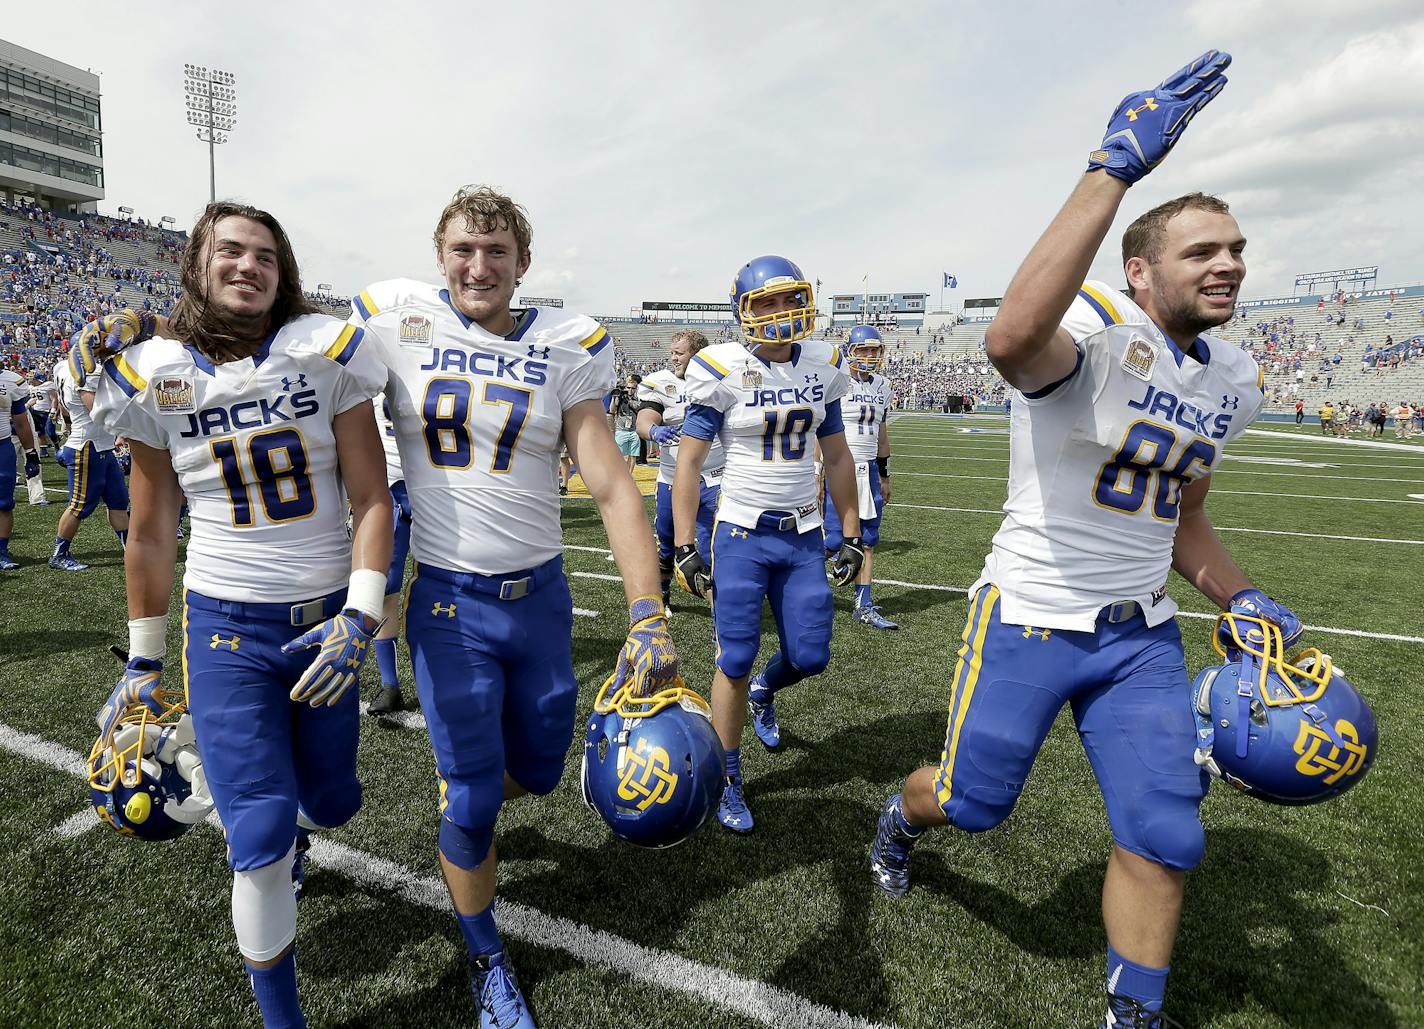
(977, 813)
(464, 848)
(330, 807)
(1171, 837)
(264, 909)
(812, 659)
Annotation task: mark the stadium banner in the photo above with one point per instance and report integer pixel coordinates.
(983, 302)
(1339, 274)
(541, 302)
(8, 316)
(673, 305)
(1313, 299)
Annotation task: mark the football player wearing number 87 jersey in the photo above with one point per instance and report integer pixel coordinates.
(480, 396)
(1124, 404)
(258, 411)
(765, 399)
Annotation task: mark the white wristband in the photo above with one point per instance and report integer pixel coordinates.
(366, 592)
(148, 637)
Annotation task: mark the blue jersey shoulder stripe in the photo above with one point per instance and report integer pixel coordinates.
(346, 344)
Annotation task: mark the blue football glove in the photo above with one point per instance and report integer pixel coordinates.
(102, 339)
(140, 684)
(32, 464)
(1256, 604)
(1147, 125)
(664, 435)
(648, 661)
(344, 643)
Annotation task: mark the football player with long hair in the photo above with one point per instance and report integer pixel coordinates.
(1124, 404)
(764, 398)
(480, 395)
(258, 410)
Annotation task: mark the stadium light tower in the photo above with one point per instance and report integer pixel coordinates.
(212, 109)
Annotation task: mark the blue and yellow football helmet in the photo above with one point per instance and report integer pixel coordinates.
(771, 276)
(652, 766)
(865, 350)
(1289, 731)
(145, 776)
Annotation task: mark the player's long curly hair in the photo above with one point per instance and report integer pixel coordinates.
(195, 321)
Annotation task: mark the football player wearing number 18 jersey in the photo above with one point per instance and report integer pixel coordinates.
(258, 411)
(479, 397)
(1124, 405)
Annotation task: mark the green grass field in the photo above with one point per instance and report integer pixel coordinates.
(1297, 917)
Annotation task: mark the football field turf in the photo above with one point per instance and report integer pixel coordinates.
(1297, 917)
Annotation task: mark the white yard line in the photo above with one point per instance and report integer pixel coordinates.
(1219, 528)
(767, 1004)
(1214, 492)
(77, 824)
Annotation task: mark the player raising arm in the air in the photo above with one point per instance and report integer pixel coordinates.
(1123, 406)
(479, 396)
(258, 410)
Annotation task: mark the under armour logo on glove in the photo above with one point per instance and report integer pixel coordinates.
(344, 643)
(648, 661)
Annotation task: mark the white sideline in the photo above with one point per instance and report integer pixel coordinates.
(767, 1004)
(1219, 528)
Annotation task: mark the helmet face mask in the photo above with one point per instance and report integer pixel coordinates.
(1288, 731)
(147, 780)
(767, 277)
(652, 766)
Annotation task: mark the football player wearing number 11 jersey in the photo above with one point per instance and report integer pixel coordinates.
(480, 396)
(1124, 404)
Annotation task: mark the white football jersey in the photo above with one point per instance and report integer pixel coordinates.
(253, 446)
(669, 392)
(478, 421)
(14, 391)
(1098, 461)
(388, 439)
(769, 413)
(865, 407)
(82, 428)
(39, 397)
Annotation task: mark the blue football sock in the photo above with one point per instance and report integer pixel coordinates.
(903, 825)
(386, 661)
(5, 545)
(123, 535)
(61, 547)
(481, 936)
(1145, 985)
(862, 595)
(276, 990)
(734, 763)
(780, 673)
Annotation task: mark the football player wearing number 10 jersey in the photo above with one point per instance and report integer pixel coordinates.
(258, 410)
(1124, 405)
(480, 396)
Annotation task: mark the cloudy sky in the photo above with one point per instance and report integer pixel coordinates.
(658, 147)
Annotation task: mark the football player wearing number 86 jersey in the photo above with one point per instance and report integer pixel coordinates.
(480, 396)
(258, 411)
(1124, 404)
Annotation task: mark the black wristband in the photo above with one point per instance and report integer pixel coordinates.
(882, 465)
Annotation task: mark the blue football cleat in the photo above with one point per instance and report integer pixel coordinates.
(66, 564)
(890, 853)
(763, 708)
(1127, 1013)
(733, 812)
(8, 563)
(871, 616)
(496, 989)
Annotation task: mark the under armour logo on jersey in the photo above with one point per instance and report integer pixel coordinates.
(300, 382)
(218, 641)
(1150, 104)
(813, 378)
(740, 534)
(1230, 403)
(540, 353)
(1030, 631)
(448, 610)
